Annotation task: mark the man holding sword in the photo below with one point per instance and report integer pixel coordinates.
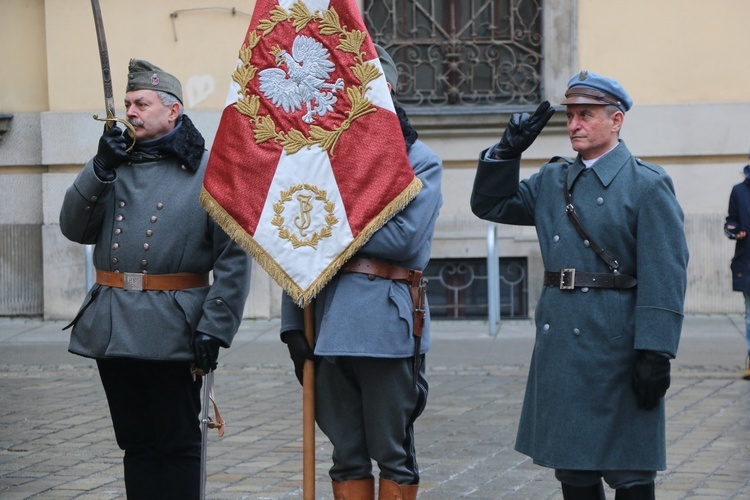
(154, 320)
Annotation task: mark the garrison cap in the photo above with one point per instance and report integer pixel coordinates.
(142, 75)
(589, 88)
(389, 67)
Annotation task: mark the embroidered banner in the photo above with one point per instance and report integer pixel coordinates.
(309, 159)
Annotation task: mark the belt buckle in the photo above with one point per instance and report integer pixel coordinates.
(132, 282)
(571, 281)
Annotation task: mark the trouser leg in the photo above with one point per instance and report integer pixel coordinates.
(155, 409)
(367, 408)
(592, 492)
(637, 492)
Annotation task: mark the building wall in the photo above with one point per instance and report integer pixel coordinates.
(677, 61)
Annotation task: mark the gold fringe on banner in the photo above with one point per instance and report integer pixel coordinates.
(303, 297)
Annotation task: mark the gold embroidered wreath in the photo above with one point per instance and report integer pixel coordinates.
(351, 41)
(284, 233)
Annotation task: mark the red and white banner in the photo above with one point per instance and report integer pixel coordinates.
(309, 159)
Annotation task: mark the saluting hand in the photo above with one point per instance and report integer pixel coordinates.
(522, 130)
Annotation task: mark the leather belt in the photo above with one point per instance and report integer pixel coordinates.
(569, 279)
(383, 269)
(140, 281)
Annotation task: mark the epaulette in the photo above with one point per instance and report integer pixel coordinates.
(560, 159)
(651, 166)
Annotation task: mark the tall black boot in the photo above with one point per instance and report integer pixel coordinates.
(595, 492)
(637, 492)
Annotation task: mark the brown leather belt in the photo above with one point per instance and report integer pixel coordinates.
(383, 269)
(569, 279)
(140, 281)
(411, 277)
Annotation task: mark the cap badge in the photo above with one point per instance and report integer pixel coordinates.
(154, 79)
(583, 75)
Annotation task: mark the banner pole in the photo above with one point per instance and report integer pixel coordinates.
(308, 410)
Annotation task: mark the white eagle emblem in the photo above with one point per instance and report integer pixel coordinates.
(304, 81)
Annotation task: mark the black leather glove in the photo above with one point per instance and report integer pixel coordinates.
(206, 351)
(299, 350)
(650, 378)
(111, 153)
(521, 131)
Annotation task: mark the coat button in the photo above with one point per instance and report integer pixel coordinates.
(159, 206)
(115, 246)
(600, 201)
(118, 231)
(556, 238)
(119, 218)
(114, 260)
(545, 328)
(144, 263)
(153, 218)
(94, 198)
(586, 243)
(145, 246)
(585, 289)
(576, 331)
(219, 302)
(87, 209)
(122, 204)
(183, 167)
(149, 233)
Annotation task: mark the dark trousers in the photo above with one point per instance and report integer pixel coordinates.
(155, 408)
(367, 408)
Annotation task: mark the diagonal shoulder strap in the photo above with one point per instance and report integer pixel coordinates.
(573, 216)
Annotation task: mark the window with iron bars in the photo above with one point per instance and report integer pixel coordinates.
(465, 53)
(457, 288)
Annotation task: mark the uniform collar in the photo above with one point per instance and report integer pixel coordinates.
(608, 166)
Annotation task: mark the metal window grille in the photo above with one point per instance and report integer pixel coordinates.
(461, 52)
(457, 288)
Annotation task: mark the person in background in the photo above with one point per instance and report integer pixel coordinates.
(609, 318)
(153, 320)
(738, 219)
(370, 383)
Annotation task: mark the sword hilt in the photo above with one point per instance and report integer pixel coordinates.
(109, 122)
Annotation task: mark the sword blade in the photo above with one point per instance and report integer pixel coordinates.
(109, 100)
(208, 381)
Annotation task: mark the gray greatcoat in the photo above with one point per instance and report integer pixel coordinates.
(356, 316)
(150, 219)
(580, 411)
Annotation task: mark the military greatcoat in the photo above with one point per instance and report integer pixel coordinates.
(579, 411)
(149, 219)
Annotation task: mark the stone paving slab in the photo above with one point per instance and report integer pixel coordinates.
(56, 440)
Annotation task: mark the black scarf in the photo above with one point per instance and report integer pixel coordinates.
(410, 135)
(184, 143)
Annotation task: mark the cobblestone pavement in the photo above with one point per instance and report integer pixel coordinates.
(56, 439)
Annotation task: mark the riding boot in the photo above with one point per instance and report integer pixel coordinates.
(637, 492)
(356, 489)
(595, 492)
(391, 490)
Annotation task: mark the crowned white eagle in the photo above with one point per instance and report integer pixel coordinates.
(304, 81)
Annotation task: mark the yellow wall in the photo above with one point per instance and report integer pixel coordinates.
(669, 51)
(23, 65)
(202, 57)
